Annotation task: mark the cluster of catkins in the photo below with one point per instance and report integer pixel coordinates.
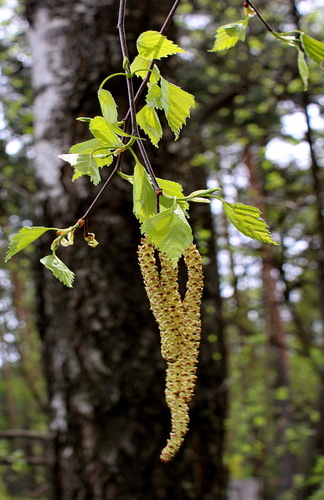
(179, 325)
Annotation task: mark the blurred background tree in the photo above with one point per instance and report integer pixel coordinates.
(256, 134)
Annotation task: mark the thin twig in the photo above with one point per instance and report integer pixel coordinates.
(117, 166)
(124, 49)
(131, 97)
(164, 28)
(267, 25)
(132, 111)
(169, 17)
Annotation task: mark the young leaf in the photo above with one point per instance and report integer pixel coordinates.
(154, 96)
(176, 104)
(96, 147)
(228, 35)
(86, 146)
(24, 237)
(140, 66)
(201, 192)
(109, 112)
(83, 164)
(199, 195)
(59, 269)
(108, 106)
(144, 199)
(303, 68)
(169, 231)
(174, 190)
(313, 48)
(149, 122)
(153, 45)
(104, 131)
(248, 221)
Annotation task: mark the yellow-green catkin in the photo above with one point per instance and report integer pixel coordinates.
(179, 324)
(181, 375)
(191, 314)
(164, 299)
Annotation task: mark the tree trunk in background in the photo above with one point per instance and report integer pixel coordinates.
(103, 367)
(279, 363)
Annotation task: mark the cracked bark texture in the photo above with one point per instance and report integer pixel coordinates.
(101, 352)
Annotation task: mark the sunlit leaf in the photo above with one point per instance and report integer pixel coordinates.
(173, 190)
(228, 35)
(108, 106)
(95, 147)
(140, 65)
(303, 69)
(176, 105)
(154, 96)
(149, 122)
(313, 48)
(83, 164)
(109, 112)
(202, 192)
(104, 131)
(24, 237)
(59, 269)
(144, 199)
(169, 231)
(86, 146)
(248, 221)
(153, 45)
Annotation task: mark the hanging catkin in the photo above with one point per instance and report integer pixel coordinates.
(179, 324)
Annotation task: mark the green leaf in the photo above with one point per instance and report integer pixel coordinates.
(153, 45)
(144, 195)
(140, 66)
(86, 146)
(248, 221)
(303, 68)
(169, 231)
(104, 131)
(313, 48)
(95, 147)
(176, 104)
(154, 96)
(228, 35)
(201, 192)
(83, 164)
(109, 112)
(24, 237)
(144, 199)
(59, 269)
(108, 106)
(172, 190)
(199, 195)
(149, 122)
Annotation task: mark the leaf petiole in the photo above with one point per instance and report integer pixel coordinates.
(109, 78)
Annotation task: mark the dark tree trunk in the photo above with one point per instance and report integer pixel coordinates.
(101, 354)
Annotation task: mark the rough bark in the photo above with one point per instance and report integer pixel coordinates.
(104, 372)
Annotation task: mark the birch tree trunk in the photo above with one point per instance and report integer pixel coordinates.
(101, 355)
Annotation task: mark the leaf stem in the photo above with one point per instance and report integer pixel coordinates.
(86, 214)
(109, 77)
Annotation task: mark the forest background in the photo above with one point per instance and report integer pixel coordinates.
(81, 388)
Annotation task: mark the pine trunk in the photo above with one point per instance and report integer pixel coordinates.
(104, 372)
